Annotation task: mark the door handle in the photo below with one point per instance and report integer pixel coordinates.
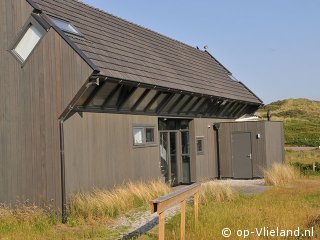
(249, 156)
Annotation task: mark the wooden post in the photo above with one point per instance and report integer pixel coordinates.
(196, 208)
(314, 167)
(161, 225)
(183, 220)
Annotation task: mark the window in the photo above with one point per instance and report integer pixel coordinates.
(64, 25)
(143, 135)
(200, 145)
(28, 40)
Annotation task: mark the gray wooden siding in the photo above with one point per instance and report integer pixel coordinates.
(99, 151)
(274, 142)
(31, 99)
(206, 164)
(258, 146)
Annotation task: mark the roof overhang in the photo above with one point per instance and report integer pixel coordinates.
(110, 95)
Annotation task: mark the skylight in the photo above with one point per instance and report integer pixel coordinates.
(27, 42)
(64, 25)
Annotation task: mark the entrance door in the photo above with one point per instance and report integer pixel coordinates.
(168, 156)
(175, 156)
(242, 155)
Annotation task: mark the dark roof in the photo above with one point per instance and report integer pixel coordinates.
(121, 49)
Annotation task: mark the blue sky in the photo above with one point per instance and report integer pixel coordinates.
(272, 46)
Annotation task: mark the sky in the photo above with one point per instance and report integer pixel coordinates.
(272, 46)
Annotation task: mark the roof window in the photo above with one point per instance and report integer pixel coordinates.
(27, 40)
(65, 26)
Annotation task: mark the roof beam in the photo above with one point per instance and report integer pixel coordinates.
(175, 103)
(185, 104)
(194, 104)
(165, 102)
(113, 92)
(92, 95)
(142, 97)
(126, 98)
(152, 101)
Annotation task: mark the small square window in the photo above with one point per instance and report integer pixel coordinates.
(200, 145)
(149, 135)
(138, 136)
(27, 42)
(143, 135)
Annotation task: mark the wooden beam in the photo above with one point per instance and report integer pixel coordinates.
(91, 96)
(165, 102)
(163, 203)
(194, 104)
(126, 98)
(185, 104)
(175, 103)
(196, 208)
(152, 101)
(142, 97)
(183, 220)
(113, 92)
(161, 226)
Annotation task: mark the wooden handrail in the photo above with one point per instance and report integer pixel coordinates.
(161, 204)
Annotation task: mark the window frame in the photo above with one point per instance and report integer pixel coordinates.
(144, 139)
(77, 33)
(31, 21)
(202, 139)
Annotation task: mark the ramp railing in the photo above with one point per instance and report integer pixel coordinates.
(161, 204)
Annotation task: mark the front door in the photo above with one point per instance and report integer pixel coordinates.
(242, 155)
(175, 156)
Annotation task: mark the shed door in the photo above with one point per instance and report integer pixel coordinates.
(241, 155)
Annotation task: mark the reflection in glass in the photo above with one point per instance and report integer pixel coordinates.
(164, 163)
(149, 135)
(173, 158)
(186, 169)
(185, 142)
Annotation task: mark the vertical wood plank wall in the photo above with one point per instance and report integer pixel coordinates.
(258, 146)
(99, 151)
(31, 99)
(274, 142)
(205, 165)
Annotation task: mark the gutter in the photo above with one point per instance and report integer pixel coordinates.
(217, 128)
(63, 117)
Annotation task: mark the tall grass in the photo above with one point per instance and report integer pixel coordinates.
(217, 192)
(280, 175)
(108, 204)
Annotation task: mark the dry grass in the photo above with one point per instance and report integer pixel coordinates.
(283, 207)
(305, 157)
(108, 204)
(280, 175)
(216, 191)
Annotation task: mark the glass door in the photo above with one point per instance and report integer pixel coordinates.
(185, 156)
(174, 159)
(168, 156)
(164, 156)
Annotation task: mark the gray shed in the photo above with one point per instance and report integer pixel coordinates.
(246, 148)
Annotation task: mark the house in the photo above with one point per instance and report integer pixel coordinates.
(91, 100)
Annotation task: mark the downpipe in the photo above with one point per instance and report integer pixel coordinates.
(61, 120)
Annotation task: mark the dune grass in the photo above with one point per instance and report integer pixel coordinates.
(280, 175)
(301, 120)
(305, 157)
(214, 191)
(286, 207)
(107, 205)
(89, 214)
